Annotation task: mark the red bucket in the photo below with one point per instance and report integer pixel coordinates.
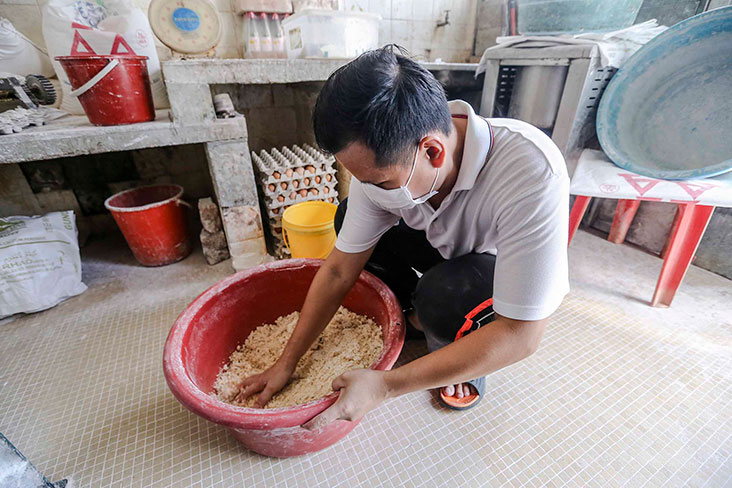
(153, 221)
(113, 90)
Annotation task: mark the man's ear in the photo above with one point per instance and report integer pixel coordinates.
(435, 150)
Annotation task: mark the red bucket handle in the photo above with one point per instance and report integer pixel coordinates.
(94, 79)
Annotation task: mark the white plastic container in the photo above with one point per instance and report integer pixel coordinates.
(313, 33)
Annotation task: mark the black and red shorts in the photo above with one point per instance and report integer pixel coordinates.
(452, 297)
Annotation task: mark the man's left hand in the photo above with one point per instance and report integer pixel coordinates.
(361, 391)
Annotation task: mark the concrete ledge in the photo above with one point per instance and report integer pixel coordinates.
(248, 71)
(260, 71)
(450, 66)
(74, 135)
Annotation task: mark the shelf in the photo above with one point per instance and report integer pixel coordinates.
(73, 135)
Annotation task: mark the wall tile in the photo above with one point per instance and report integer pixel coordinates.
(423, 35)
(422, 10)
(227, 52)
(385, 32)
(462, 11)
(401, 33)
(357, 5)
(439, 7)
(381, 7)
(223, 5)
(402, 9)
(229, 36)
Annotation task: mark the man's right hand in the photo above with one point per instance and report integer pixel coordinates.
(266, 384)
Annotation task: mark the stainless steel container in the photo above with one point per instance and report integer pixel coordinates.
(536, 94)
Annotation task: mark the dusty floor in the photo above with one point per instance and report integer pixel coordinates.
(619, 394)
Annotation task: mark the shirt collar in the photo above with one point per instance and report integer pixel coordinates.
(477, 145)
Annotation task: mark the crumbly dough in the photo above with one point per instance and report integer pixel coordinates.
(350, 341)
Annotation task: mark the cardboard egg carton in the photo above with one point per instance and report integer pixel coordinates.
(299, 186)
(277, 205)
(291, 163)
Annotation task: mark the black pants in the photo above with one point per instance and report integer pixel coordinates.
(452, 298)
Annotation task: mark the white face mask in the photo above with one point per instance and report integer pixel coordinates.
(400, 198)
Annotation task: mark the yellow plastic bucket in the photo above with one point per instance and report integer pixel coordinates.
(308, 229)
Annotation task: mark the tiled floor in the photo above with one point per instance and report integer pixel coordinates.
(619, 394)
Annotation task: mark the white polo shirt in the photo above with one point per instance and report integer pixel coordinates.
(510, 199)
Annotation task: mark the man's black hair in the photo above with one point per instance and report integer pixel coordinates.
(384, 100)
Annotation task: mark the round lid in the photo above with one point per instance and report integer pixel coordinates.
(185, 26)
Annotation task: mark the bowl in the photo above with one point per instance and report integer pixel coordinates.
(210, 328)
(667, 112)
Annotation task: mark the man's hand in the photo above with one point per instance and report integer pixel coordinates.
(266, 384)
(361, 391)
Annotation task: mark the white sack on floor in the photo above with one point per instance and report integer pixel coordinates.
(40, 264)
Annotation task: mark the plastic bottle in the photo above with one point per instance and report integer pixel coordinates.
(265, 36)
(254, 44)
(278, 38)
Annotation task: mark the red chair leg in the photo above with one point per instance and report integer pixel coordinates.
(666, 244)
(624, 214)
(575, 216)
(682, 244)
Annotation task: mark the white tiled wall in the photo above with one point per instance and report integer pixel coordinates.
(410, 23)
(413, 25)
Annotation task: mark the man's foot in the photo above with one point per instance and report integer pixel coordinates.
(459, 391)
(464, 395)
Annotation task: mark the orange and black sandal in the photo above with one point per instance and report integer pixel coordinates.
(465, 402)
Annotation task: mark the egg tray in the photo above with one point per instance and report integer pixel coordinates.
(276, 207)
(291, 163)
(297, 173)
(285, 188)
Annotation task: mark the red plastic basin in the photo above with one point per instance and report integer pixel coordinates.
(222, 317)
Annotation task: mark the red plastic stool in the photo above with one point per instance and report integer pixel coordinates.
(596, 176)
